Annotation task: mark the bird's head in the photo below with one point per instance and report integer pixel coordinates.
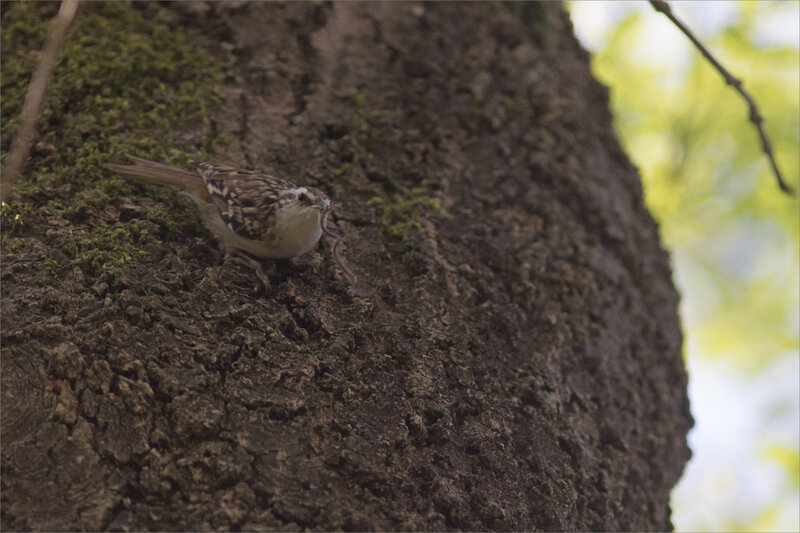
(304, 199)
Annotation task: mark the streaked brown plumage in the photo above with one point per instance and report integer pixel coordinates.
(246, 210)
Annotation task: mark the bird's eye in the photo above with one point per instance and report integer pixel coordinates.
(302, 197)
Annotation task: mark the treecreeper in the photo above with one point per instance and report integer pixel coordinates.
(250, 213)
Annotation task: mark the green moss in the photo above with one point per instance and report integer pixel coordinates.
(125, 82)
(342, 169)
(54, 268)
(12, 218)
(103, 248)
(402, 212)
(313, 345)
(17, 245)
(55, 207)
(357, 99)
(402, 208)
(366, 125)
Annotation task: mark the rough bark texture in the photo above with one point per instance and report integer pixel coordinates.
(509, 359)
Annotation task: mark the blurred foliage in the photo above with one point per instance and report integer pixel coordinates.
(709, 184)
(732, 234)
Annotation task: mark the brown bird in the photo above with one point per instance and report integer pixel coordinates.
(247, 211)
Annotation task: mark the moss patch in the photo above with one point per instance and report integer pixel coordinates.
(402, 212)
(125, 82)
(402, 207)
(101, 250)
(12, 219)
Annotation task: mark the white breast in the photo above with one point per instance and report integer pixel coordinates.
(298, 230)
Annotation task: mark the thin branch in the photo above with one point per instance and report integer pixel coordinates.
(755, 117)
(35, 96)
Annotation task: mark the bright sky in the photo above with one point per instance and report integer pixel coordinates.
(738, 417)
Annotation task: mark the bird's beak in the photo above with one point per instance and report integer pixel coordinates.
(326, 206)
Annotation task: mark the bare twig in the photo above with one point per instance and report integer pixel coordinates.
(755, 117)
(35, 96)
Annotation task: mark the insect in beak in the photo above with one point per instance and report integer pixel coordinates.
(323, 224)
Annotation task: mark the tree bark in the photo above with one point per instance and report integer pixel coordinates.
(510, 358)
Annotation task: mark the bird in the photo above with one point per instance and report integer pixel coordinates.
(250, 213)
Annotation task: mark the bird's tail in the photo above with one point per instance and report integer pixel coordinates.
(146, 171)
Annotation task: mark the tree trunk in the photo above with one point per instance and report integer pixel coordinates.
(509, 359)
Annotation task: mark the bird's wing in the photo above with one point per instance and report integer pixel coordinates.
(246, 200)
